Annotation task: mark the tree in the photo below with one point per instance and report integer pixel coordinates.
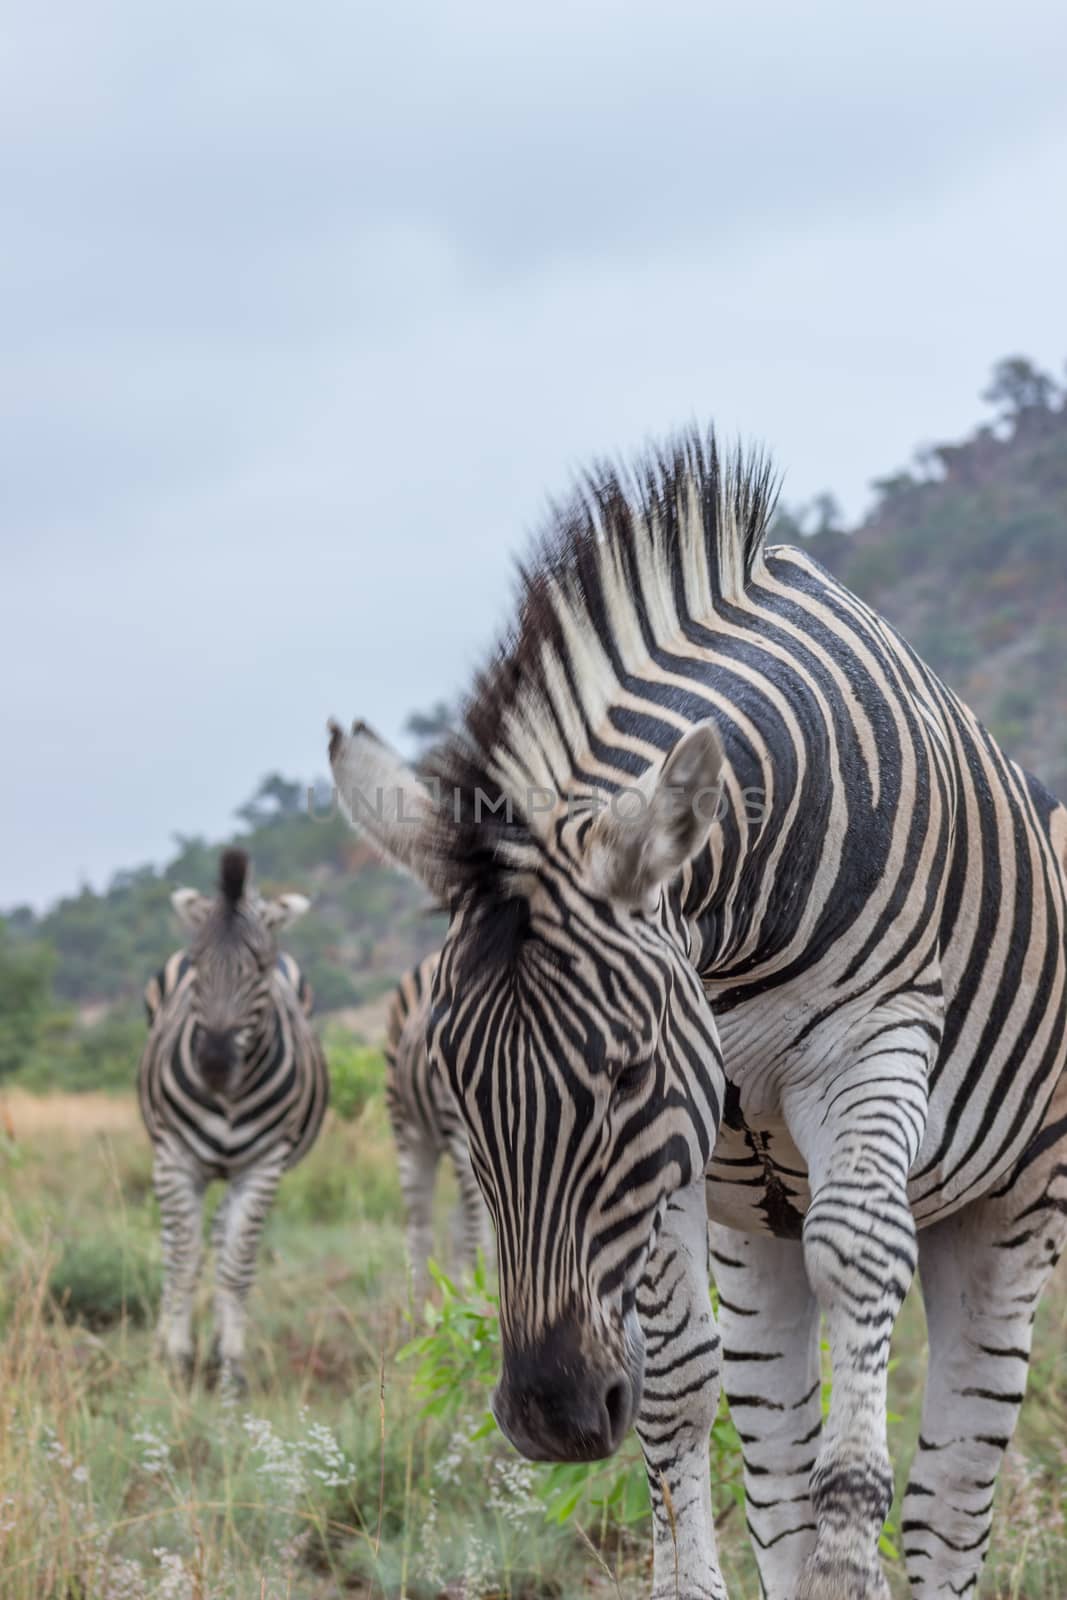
(1018, 387)
(25, 999)
(275, 799)
(827, 514)
(427, 727)
(787, 526)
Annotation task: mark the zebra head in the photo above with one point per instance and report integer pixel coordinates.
(574, 1033)
(233, 951)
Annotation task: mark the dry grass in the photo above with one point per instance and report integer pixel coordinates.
(72, 1117)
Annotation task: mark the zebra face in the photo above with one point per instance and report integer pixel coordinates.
(577, 1041)
(233, 951)
(583, 1055)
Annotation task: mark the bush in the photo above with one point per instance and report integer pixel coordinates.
(100, 1280)
(357, 1074)
(460, 1355)
(25, 999)
(319, 1193)
(73, 1056)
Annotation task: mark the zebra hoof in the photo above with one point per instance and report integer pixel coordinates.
(181, 1364)
(232, 1383)
(212, 1371)
(225, 1376)
(834, 1576)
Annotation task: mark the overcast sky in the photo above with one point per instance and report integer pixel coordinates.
(304, 311)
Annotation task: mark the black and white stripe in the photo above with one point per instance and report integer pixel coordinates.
(426, 1124)
(838, 997)
(233, 1085)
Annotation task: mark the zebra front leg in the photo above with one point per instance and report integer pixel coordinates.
(242, 1216)
(213, 1368)
(983, 1271)
(769, 1321)
(679, 1402)
(860, 1134)
(180, 1192)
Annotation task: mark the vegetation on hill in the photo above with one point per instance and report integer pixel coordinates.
(71, 980)
(965, 552)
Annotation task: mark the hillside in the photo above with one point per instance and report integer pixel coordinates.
(967, 555)
(71, 980)
(966, 552)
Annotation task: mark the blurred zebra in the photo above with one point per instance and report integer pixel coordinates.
(233, 1085)
(748, 914)
(426, 1122)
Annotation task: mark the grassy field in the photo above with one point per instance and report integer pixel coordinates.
(329, 1479)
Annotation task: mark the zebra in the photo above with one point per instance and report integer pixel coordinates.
(750, 920)
(426, 1122)
(233, 1085)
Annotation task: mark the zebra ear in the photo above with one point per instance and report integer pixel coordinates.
(191, 908)
(384, 800)
(646, 834)
(284, 911)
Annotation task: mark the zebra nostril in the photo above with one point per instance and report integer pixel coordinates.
(617, 1405)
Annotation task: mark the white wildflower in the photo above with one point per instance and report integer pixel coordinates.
(175, 1581)
(336, 1470)
(279, 1461)
(124, 1580)
(155, 1451)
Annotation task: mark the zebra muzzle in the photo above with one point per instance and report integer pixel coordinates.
(554, 1406)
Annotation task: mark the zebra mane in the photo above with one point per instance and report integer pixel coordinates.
(233, 873)
(618, 572)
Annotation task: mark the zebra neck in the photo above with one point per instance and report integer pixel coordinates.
(738, 895)
(263, 1045)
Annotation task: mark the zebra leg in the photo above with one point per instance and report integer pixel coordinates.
(417, 1159)
(860, 1133)
(769, 1320)
(983, 1271)
(243, 1213)
(679, 1402)
(213, 1368)
(474, 1230)
(180, 1192)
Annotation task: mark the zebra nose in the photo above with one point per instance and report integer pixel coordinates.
(551, 1412)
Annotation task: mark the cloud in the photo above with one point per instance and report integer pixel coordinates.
(306, 312)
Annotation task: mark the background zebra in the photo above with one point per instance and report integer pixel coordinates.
(706, 807)
(426, 1122)
(233, 1085)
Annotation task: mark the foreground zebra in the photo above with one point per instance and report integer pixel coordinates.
(426, 1122)
(233, 1085)
(817, 953)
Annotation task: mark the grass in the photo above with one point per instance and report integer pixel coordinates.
(329, 1479)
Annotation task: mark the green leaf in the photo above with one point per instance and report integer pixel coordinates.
(566, 1507)
(635, 1506)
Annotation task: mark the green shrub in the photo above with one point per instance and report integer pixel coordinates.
(25, 999)
(357, 1074)
(460, 1356)
(102, 1278)
(72, 1055)
(318, 1192)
